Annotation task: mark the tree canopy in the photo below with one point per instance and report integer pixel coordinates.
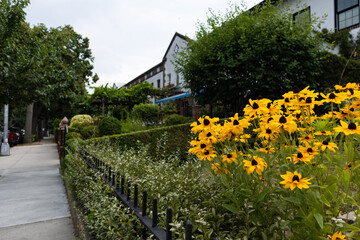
(250, 54)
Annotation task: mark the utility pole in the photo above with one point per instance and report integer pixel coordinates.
(5, 148)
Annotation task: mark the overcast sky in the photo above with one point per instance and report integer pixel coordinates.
(127, 37)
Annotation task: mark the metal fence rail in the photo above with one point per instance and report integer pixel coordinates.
(117, 182)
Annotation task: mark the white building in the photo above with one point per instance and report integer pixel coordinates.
(340, 14)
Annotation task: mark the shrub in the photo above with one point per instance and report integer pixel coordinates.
(146, 112)
(109, 126)
(81, 119)
(174, 119)
(180, 136)
(71, 135)
(218, 111)
(203, 112)
(168, 108)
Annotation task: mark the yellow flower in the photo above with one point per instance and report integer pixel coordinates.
(267, 150)
(336, 236)
(306, 138)
(307, 149)
(208, 154)
(230, 157)
(286, 123)
(347, 129)
(326, 145)
(293, 180)
(333, 97)
(256, 164)
(301, 157)
(257, 107)
(217, 169)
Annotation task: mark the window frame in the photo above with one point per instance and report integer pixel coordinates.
(337, 14)
(307, 9)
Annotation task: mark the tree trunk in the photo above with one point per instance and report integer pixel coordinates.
(28, 124)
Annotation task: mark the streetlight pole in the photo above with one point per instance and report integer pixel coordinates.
(5, 148)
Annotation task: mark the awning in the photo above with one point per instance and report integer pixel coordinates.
(173, 97)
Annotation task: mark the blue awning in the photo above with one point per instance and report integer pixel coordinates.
(173, 97)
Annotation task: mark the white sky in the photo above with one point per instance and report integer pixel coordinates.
(127, 37)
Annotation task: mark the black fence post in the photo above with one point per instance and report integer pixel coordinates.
(128, 191)
(135, 195)
(154, 210)
(188, 230)
(168, 222)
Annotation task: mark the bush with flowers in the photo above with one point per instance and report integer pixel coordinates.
(300, 178)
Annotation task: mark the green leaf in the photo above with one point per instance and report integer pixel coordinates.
(319, 219)
(349, 228)
(232, 208)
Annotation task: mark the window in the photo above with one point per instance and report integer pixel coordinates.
(158, 83)
(302, 16)
(169, 78)
(177, 79)
(347, 13)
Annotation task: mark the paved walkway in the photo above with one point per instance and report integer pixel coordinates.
(33, 203)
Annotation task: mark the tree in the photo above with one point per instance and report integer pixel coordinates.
(250, 54)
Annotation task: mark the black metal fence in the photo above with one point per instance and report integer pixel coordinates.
(117, 182)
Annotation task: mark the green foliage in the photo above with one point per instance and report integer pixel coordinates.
(71, 135)
(147, 113)
(203, 111)
(109, 126)
(151, 137)
(82, 118)
(168, 108)
(131, 125)
(218, 111)
(84, 130)
(174, 119)
(243, 55)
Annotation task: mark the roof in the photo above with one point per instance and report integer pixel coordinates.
(172, 40)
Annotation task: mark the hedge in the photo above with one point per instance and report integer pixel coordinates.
(179, 136)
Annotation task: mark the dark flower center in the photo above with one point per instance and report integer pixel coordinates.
(337, 91)
(351, 91)
(352, 126)
(198, 123)
(296, 89)
(206, 122)
(255, 106)
(287, 100)
(352, 109)
(308, 100)
(254, 162)
(235, 122)
(269, 120)
(302, 99)
(298, 115)
(209, 134)
(229, 155)
(349, 165)
(203, 145)
(268, 131)
(296, 178)
(332, 96)
(323, 132)
(325, 142)
(282, 119)
(309, 150)
(207, 152)
(307, 138)
(299, 155)
(267, 149)
(268, 105)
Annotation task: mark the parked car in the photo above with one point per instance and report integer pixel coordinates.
(20, 135)
(12, 137)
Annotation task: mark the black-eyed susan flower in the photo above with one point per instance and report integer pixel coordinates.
(207, 122)
(209, 135)
(217, 169)
(267, 150)
(301, 157)
(230, 157)
(306, 138)
(236, 126)
(308, 149)
(349, 166)
(323, 133)
(286, 123)
(326, 145)
(337, 236)
(208, 154)
(257, 107)
(333, 97)
(256, 164)
(293, 180)
(348, 129)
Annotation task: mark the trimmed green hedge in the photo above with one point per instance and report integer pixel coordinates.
(177, 139)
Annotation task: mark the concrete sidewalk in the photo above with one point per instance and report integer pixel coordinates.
(33, 203)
